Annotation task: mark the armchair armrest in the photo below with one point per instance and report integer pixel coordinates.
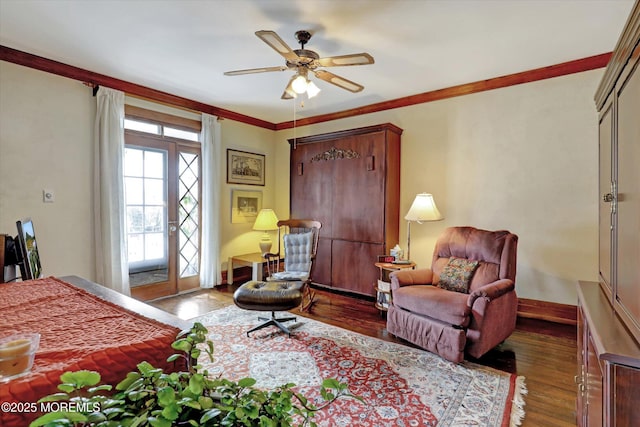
(421, 276)
(491, 291)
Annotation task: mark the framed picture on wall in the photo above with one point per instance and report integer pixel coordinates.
(245, 168)
(245, 206)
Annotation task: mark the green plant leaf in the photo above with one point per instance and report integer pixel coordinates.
(68, 388)
(196, 384)
(210, 415)
(125, 383)
(331, 383)
(54, 417)
(81, 378)
(182, 345)
(166, 396)
(189, 402)
(104, 387)
(159, 422)
(51, 417)
(56, 397)
(96, 417)
(247, 382)
(173, 357)
(171, 412)
(205, 402)
(146, 368)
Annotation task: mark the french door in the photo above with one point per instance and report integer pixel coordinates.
(162, 197)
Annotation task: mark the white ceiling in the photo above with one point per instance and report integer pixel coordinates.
(183, 47)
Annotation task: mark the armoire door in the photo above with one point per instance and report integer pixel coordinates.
(606, 191)
(358, 196)
(343, 180)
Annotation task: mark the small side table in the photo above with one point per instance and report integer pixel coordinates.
(383, 287)
(254, 260)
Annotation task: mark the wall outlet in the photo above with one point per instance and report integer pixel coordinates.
(48, 196)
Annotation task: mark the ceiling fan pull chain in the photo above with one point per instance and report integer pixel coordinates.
(295, 141)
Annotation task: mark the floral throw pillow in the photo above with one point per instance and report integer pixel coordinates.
(456, 275)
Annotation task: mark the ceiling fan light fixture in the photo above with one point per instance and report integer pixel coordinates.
(299, 84)
(312, 89)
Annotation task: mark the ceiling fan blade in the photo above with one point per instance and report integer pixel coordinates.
(255, 70)
(288, 91)
(273, 40)
(338, 81)
(343, 60)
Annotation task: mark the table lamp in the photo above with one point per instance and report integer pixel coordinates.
(423, 209)
(266, 221)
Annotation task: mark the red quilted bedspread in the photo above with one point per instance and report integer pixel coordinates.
(78, 331)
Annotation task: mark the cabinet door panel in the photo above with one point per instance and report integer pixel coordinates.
(627, 389)
(322, 264)
(593, 391)
(353, 266)
(359, 202)
(580, 404)
(606, 217)
(311, 187)
(628, 221)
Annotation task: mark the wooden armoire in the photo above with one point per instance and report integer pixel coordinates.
(350, 182)
(609, 311)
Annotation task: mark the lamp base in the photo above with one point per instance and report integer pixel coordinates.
(265, 246)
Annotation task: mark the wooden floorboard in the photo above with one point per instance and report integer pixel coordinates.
(543, 352)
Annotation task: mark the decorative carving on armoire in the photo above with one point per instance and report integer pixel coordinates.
(335, 154)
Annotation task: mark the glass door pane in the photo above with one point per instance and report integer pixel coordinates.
(188, 214)
(146, 193)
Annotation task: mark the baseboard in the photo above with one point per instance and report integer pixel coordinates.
(527, 308)
(550, 311)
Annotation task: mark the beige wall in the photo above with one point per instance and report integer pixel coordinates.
(46, 126)
(522, 158)
(46, 134)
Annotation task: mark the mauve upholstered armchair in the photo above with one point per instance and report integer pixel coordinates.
(452, 323)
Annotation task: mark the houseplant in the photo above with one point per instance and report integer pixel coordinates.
(152, 397)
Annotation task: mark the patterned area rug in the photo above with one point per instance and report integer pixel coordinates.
(401, 386)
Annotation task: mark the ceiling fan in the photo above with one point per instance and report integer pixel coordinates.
(304, 61)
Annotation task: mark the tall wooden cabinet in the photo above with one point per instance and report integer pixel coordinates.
(349, 181)
(609, 312)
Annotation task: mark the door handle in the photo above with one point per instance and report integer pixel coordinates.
(607, 198)
(173, 226)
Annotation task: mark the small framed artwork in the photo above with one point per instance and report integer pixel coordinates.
(245, 206)
(245, 168)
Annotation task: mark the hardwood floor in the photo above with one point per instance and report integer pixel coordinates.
(543, 352)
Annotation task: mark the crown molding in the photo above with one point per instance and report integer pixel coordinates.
(96, 79)
(565, 68)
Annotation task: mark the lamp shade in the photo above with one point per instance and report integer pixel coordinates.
(423, 209)
(266, 220)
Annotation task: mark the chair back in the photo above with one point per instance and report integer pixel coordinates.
(300, 239)
(496, 252)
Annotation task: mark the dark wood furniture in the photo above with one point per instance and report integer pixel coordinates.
(609, 313)
(608, 363)
(350, 182)
(618, 103)
(3, 239)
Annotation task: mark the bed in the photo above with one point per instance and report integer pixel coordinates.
(82, 326)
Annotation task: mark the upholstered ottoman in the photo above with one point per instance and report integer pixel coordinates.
(269, 296)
